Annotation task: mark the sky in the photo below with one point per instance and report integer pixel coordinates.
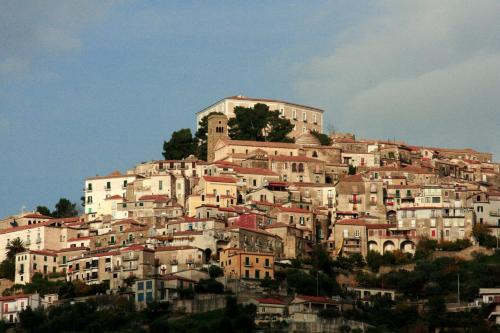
(89, 87)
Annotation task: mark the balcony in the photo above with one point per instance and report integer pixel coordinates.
(28, 242)
(130, 268)
(357, 201)
(495, 213)
(130, 257)
(107, 188)
(38, 240)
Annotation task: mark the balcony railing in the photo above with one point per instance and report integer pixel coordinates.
(495, 213)
(130, 258)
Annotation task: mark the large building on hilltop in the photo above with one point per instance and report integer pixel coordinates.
(304, 118)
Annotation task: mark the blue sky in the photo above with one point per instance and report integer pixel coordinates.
(88, 87)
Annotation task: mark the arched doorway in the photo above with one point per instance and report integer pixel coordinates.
(373, 246)
(389, 246)
(407, 246)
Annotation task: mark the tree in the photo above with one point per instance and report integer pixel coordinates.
(14, 247)
(481, 233)
(43, 210)
(181, 145)
(374, 260)
(323, 138)
(259, 124)
(65, 208)
(278, 128)
(215, 271)
(8, 269)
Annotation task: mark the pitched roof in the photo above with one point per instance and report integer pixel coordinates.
(220, 179)
(36, 216)
(263, 100)
(271, 301)
(359, 222)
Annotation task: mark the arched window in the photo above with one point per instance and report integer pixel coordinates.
(294, 167)
(315, 154)
(301, 167)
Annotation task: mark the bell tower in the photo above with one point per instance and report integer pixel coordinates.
(217, 129)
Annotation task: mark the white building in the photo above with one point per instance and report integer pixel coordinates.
(303, 117)
(98, 189)
(10, 306)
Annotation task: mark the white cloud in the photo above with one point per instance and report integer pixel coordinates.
(425, 71)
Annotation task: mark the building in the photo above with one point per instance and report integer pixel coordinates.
(98, 189)
(31, 262)
(304, 118)
(239, 264)
(11, 306)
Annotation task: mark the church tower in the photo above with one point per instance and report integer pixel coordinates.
(217, 129)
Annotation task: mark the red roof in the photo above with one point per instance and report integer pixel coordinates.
(114, 197)
(220, 179)
(294, 210)
(351, 222)
(14, 297)
(154, 197)
(174, 248)
(352, 178)
(36, 216)
(136, 247)
(271, 301)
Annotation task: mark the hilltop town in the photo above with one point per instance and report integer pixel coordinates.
(301, 227)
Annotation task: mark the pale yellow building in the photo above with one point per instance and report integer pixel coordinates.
(304, 118)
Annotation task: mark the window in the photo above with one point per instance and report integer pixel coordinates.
(247, 273)
(160, 185)
(140, 297)
(257, 274)
(108, 185)
(315, 118)
(294, 114)
(140, 285)
(357, 233)
(266, 263)
(247, 261)
(149, 297)
(89, 199)
(304, 116)
(479, 209)
(89, 186)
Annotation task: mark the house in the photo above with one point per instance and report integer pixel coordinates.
(159, 289)
(31, 262)
(239, 264)
(494, 316)
(306, 308)
(270, 309)
(11, 306)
